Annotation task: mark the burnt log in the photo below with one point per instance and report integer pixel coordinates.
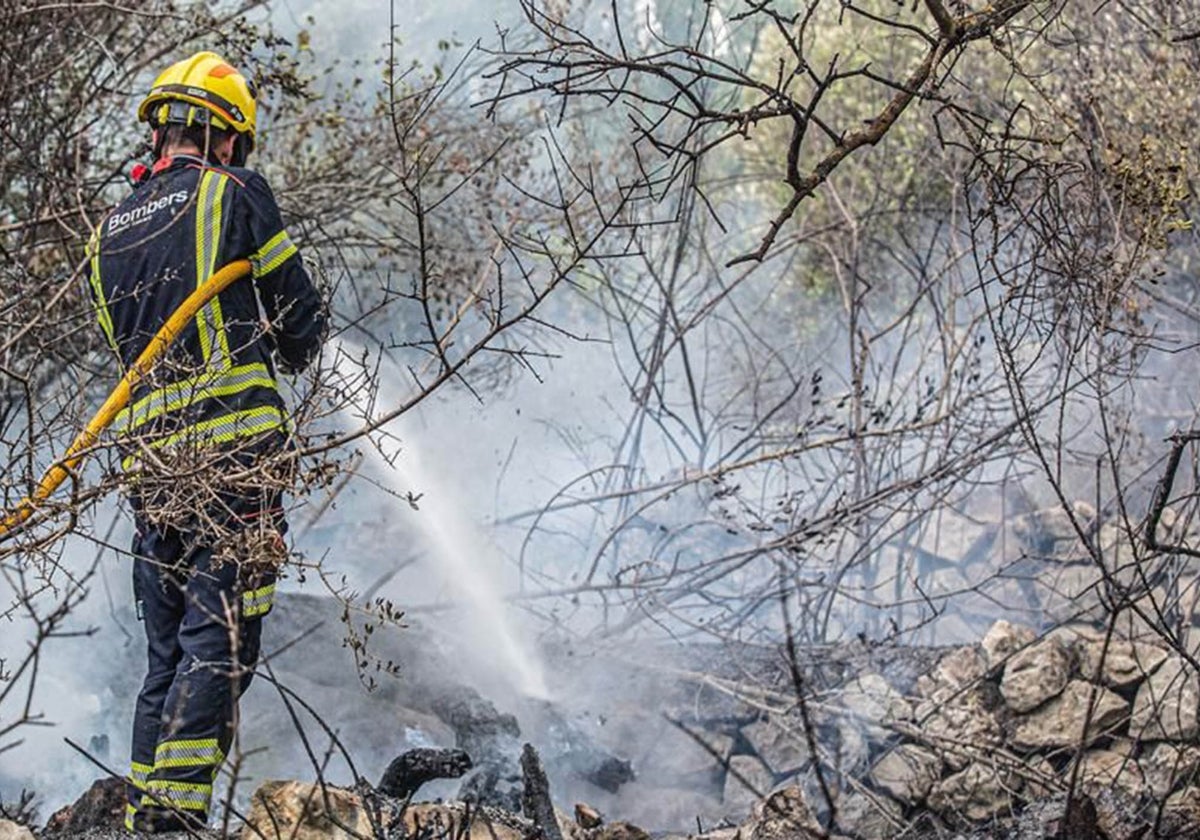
(535, 799)
(479, 727)
(493, 785)
(409, 770)
(490, 737)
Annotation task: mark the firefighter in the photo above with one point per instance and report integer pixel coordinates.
(197, 431)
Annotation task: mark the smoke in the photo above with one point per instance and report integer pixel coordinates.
(86, 676)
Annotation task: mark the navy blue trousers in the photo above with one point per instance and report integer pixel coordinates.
(203, 626)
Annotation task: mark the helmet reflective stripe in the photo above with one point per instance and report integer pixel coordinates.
(204, 98)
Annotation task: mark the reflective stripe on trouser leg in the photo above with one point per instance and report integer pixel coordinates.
(258, 602)
(192, 752)
(138, 773)
(197, 759)
(184, 796)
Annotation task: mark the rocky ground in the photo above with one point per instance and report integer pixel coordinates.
(1026, 734)
(1073, 734)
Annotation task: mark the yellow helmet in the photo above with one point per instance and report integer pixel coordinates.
(203, 90)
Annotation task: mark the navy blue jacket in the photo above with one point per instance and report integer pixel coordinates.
(217, 384)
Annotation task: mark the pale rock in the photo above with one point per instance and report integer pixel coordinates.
(1002, 640)
(1181, 814)
(869, 817)
(1074, 634)
(956, 672)
(746, 781)
(1167, 765)
(874, 705)
(1035, 674)
(282, 810)
(779, 741)
(585, 817)
(957, 727)
(10, 830)
(1122, 665)
(290, 810)
(1118, 817)
(784, 815)
(1050, 819)
(1174, 529)
(1085, 512)
(1060, 721)
(1123, 746)
(849, 748)
(907, 773)
(977, 793)
(1102, 769)
(1113, 544)
(1167, 705)
(1041, 780)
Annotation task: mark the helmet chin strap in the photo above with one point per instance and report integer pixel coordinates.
(159, 141)
(241, 150)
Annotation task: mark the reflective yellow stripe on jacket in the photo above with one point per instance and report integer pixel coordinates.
(179, 395)
(228, 427)
(272, 255)
(102, 313)
(209, 320)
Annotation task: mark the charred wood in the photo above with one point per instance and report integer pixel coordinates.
(535, 797)
(408, 771)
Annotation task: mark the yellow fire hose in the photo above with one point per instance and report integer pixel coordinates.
(119, 398)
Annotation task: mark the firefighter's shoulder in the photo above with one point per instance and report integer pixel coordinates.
(151, 205)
